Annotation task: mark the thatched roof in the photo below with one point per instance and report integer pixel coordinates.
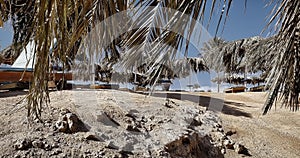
(234, 56)
(251, 55)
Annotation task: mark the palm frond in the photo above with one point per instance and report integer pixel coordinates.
(160, 46)
(69, 22)
(284, 76)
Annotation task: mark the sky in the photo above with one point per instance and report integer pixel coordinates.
(241, 23)
(6, 34)
(244, 22)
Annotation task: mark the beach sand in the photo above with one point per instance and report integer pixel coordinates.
(276, 134)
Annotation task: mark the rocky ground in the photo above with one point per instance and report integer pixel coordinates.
(110, 123)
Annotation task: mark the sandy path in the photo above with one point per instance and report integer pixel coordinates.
(274, 135)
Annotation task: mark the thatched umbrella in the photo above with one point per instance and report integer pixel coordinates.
(248, 55)
(242, 56)
(263, 55)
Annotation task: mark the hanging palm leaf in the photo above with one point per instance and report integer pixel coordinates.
(286, 67)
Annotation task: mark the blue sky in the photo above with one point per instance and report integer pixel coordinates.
(6, 34)
(243, 23)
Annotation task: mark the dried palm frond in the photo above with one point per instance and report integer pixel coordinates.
(48, 21)
(161, 35)
(155, 31)
(285, 74)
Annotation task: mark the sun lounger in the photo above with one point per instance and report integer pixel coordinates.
(235, 89)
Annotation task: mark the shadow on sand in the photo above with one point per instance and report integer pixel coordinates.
(4, 94)
(214, 104)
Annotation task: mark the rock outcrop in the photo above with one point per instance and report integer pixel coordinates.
(159, 128)
(70, 123)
